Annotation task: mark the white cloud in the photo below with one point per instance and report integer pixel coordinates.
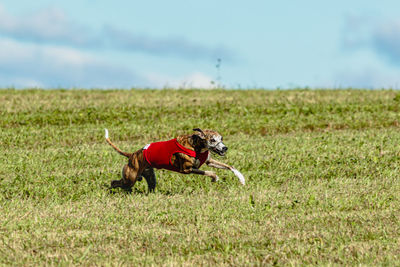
(48, 25)
(381, 37)
(23, 64)
(48, 49)
(32, 65)
(386, 41)
(28, 83)
(52, 26)
(163, 46)
(12, 52)
(370, 78)
(198, 80)
(193, 80)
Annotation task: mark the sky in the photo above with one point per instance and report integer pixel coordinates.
(199, 44)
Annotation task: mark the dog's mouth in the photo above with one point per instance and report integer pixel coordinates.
(219, 152)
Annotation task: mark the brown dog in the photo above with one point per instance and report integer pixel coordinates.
(184, 154)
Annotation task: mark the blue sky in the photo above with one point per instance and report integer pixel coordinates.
(156, 44)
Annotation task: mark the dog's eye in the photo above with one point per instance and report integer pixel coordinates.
(212, 140)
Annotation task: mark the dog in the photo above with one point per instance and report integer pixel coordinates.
(184, 154)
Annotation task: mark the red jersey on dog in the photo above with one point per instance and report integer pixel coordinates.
(159, 154)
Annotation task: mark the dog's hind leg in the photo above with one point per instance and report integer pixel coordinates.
(150, 177)
(124, 182)
(131, 172)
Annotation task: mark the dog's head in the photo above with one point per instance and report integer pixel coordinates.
(209, 140)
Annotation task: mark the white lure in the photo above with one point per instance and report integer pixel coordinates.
(239, 175)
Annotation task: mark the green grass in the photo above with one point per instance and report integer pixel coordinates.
(322, 171)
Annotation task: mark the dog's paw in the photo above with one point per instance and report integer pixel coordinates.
(214, 177)
(115, 183)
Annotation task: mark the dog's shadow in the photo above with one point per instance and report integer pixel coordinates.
(144, 192)
(187, 189)
(113, 191)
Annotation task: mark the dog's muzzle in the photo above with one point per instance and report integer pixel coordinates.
(220, 149)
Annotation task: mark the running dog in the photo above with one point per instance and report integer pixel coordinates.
(184, 154)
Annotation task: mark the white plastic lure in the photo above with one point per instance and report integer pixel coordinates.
(239, 175)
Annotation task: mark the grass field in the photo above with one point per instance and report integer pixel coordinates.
(322, 169)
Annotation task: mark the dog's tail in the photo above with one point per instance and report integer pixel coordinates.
(116, 148)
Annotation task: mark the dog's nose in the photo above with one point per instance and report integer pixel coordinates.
(224, 149)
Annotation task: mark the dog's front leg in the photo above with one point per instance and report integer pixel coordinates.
(187, 164)
(211, 174)
(219, 165)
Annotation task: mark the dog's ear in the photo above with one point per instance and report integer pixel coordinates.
(199, 141)
(201, 134)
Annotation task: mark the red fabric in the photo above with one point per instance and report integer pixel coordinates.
(159, 154)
